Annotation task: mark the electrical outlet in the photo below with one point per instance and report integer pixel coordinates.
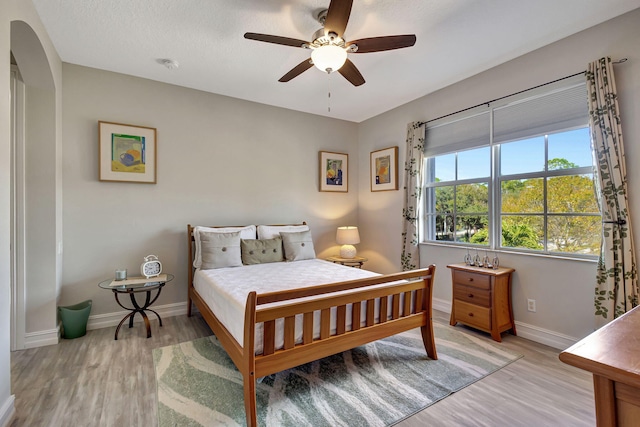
(531, 305)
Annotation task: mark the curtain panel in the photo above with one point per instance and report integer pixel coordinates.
(413, 168)
(617, 279)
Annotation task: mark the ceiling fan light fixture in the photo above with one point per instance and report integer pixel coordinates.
(330, 49)
(329, 58)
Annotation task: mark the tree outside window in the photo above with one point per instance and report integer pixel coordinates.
(549, 207)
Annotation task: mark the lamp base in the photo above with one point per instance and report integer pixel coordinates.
(347, 251)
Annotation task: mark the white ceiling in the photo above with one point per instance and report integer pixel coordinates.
(455, 40)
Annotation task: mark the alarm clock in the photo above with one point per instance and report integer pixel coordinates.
(151, 267)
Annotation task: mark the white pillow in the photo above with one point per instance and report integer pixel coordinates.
(272, 231)
(247, 232)
(220, 250)
(298, 246)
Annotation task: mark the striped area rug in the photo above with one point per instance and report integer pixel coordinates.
(378, 384)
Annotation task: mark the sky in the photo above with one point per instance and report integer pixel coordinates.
(523, 156)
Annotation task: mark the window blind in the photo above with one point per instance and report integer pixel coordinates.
(458, 134)
(545, 109)
(538, 115)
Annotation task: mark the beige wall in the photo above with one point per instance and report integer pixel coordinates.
(220, 161)
(563, 289)
(40, 207)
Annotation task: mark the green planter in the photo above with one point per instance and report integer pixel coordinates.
(74, 319)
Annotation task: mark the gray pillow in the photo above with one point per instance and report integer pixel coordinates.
(220, 250)
(298, 246)
(261, 251)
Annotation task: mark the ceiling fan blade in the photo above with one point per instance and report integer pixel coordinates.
(378, 44)
(296, 71)
(286, 41)
(351, 73)
(337, 16)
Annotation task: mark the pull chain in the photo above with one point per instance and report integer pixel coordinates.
(329, 92)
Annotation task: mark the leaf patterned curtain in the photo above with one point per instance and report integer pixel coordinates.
(617, 278)
(413, 166)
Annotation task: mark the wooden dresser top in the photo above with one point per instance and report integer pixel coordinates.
(612, 351)
(482, 270)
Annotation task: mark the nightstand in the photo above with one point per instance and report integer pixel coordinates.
(481, 298)
(351, 262)
(131, 287)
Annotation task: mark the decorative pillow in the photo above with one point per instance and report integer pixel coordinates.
(248, 232)
(261, 251)
(220, 250)
(298, 246)
(271, 231)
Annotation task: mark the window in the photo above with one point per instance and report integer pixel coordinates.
(459, 194)
(515, 176)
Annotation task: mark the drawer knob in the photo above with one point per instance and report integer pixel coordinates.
(470, 314)
(471, 279)
(470, 295)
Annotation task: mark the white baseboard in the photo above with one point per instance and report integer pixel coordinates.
(107, 320)
(7, 411)
(531, 332)
(51, 337)
(42, 338)
(545, 336)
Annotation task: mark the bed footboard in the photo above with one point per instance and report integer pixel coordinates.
(407, 301)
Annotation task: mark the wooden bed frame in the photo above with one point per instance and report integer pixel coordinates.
(417, 284)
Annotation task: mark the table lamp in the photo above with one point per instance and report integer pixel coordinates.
(347, 237)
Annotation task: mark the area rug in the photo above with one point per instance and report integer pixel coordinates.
(378, 384)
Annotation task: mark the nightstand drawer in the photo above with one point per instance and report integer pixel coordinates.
(472, 279)
(472, 295)
(473, 315)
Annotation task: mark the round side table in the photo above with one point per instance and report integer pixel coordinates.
(133, 286)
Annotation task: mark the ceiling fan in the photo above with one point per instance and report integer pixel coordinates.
(329, 49)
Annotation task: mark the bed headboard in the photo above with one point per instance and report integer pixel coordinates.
(191, 242)
(191, 227)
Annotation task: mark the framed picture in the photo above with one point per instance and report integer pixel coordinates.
(384, 169)
(334, 171)
(127, 153)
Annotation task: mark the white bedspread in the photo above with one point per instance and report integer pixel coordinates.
(225, 290)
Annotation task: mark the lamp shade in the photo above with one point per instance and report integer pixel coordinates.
(347, 236)
(329, 58)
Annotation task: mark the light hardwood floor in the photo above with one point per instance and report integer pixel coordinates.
(97, 381)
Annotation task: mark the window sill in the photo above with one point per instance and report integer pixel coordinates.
(584, 258)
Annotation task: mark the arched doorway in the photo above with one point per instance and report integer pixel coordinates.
(34, 226)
